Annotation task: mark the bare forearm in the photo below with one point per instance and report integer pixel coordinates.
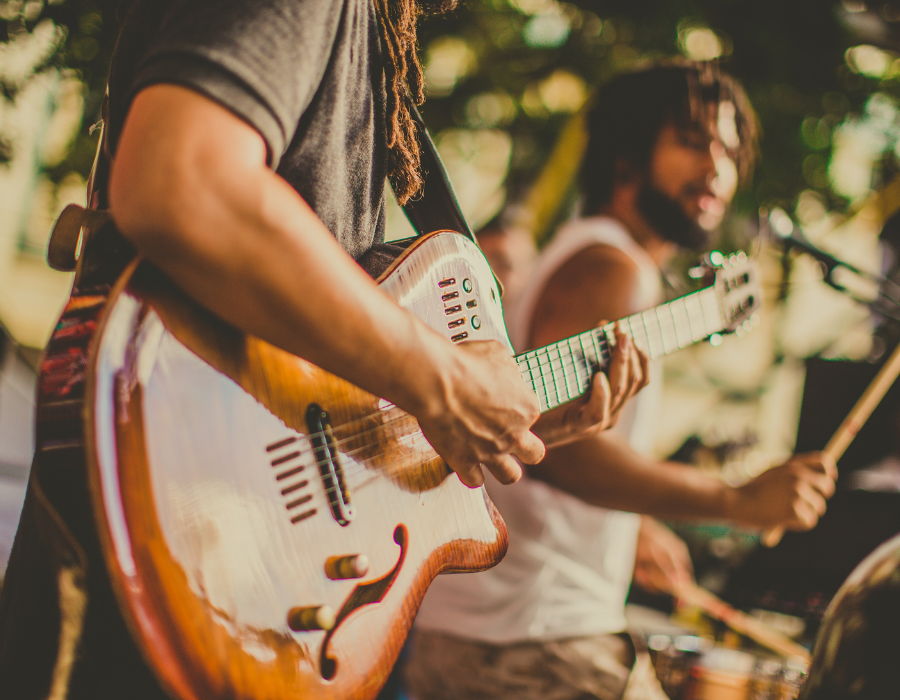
(604, 471)
(256, 255)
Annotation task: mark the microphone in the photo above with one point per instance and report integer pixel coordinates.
(784, 233)
(829, 261)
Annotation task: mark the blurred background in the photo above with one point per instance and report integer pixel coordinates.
(506, 81)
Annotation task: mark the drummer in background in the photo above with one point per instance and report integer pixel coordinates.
(661, 557)
(667, 146)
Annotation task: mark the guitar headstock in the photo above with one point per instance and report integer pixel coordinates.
(737, 292)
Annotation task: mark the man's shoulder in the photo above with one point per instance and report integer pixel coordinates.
(598, 266)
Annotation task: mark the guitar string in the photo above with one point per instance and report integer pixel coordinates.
(361, 464)
(568, 363)
(561, 369)
(569, 360)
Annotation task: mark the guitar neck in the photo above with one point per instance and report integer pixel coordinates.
(562, 371)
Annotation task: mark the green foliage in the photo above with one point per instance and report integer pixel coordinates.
(89, 34)
(789, 55)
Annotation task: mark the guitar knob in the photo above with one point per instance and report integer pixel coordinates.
(346, 567)
(320, 617)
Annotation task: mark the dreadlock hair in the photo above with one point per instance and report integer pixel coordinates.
(629, 112)
(403, 75)
(405, 82)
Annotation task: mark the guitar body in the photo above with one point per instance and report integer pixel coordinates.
(232, 481)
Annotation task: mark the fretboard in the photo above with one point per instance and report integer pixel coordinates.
(562, 371)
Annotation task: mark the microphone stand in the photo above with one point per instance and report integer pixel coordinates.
(887, 304)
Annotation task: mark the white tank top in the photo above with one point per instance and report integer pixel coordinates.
(569, 564)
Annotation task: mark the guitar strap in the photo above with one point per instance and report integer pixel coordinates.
(436, 208)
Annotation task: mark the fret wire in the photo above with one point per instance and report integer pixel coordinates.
(653, 338)
(560, 390)
(646, 335)
(570, 369)
(658, 331)
(695, 316)
(552, 385)
(639, 334)
(540, 390)
(561, 370)
(682, 324)
(590, 361)
(666, 332)
(601, 346)
(670, 314)
(525, 360)
(576, 387)
(544, 385)
(597, 356)
(531, 372)
(604, 347)
(711, 312)
(540, 371)
(597, 345)
(552, 377)
(571, 389)
(574, 365)
(583, 381)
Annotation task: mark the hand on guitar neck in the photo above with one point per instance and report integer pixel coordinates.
(628, 372)
(488, 392)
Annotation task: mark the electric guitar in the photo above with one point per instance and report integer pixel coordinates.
(270, 529)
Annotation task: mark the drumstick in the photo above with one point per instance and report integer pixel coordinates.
(740, 622)
(852, 424)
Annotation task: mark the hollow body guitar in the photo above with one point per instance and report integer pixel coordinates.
(270, 529)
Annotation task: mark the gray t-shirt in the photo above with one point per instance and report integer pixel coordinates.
(306, 74)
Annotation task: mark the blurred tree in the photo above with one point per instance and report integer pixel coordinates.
(524, 66)
(530, 58)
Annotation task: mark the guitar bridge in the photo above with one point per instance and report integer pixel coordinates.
(322, 438)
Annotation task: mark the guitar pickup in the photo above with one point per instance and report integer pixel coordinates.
(322, 438)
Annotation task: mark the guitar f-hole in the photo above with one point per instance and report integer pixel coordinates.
(363, 594)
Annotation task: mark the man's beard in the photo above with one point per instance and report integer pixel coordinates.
(667, 217)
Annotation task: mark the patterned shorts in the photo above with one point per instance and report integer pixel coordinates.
(606, 667)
